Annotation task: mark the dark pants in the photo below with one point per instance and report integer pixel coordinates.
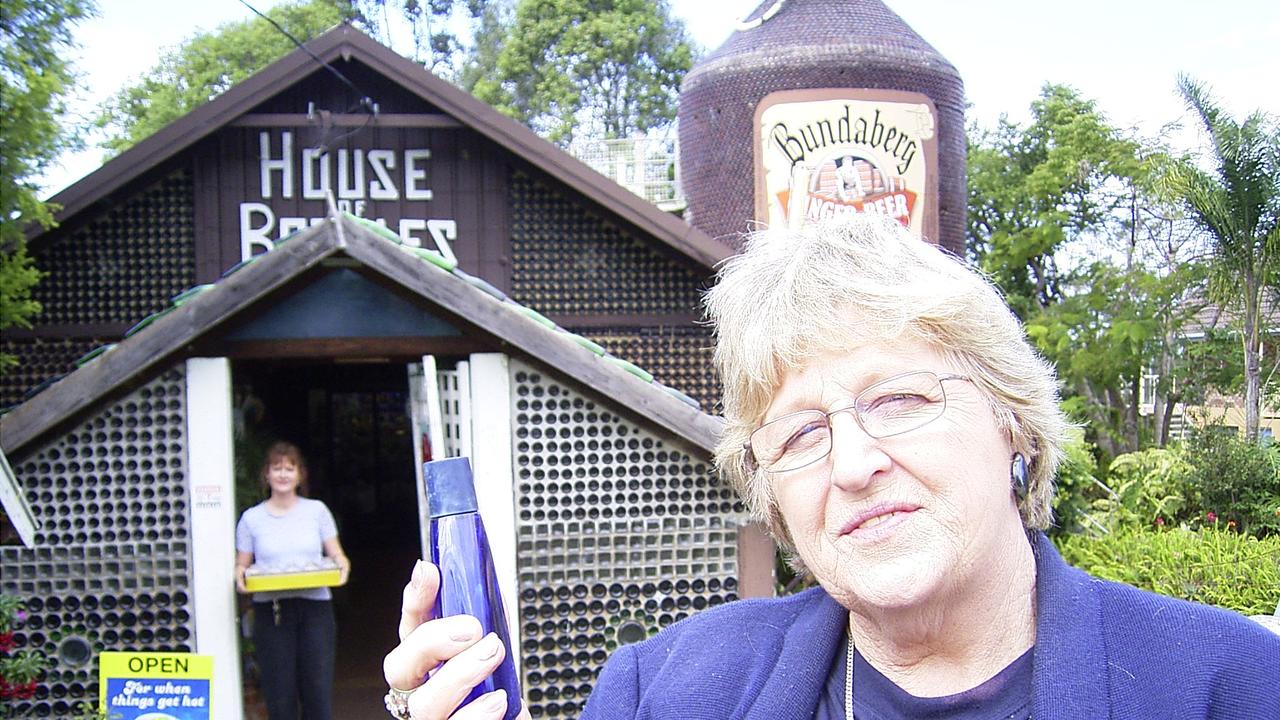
(295, 641)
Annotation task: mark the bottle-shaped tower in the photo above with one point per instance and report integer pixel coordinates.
(814, 109)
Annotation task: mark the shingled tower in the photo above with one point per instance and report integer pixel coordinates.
(817, 108)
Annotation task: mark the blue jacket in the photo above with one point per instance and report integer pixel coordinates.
(1103, 650)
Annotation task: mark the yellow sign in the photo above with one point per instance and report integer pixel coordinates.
(155, 686)
(824, 154)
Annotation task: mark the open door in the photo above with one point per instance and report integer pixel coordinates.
(444, 406)
(440, 412)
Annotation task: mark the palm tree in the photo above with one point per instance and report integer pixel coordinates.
(1237, 204)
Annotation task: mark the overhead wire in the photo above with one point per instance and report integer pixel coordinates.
(365, 103)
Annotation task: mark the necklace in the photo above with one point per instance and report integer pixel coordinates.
(848, 676)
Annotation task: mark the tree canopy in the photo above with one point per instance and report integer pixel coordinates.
(1065, 216)
(35, 78)
(208, 64)
(610, 68)
(446, 35)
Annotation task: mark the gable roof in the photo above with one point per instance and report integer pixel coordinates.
(208, 310)
(346, 43)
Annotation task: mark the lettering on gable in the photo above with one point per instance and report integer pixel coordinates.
(356, 177)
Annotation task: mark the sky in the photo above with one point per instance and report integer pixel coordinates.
(1124, 54)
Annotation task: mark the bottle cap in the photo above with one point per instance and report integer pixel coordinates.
(450, 488)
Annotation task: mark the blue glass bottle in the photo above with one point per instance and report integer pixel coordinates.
(468, 583)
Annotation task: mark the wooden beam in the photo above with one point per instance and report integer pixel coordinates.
(386, 120)
(398, 349)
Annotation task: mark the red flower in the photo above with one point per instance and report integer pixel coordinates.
(26, 691)
(1160, 521)
(1211, 516)
(7, 643)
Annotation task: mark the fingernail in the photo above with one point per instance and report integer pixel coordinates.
(419, 572)
(496, 700)
(491, 646)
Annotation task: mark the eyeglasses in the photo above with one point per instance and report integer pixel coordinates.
(890, 407)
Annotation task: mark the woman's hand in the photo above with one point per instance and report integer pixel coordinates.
(451, 649)
(243, 561)
(333, 550)
(344, 569)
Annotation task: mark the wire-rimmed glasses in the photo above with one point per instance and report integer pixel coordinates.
(890, 407)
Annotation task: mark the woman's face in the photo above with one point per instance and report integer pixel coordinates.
(896, 522)
(283, 476)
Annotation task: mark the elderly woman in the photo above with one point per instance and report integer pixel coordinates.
(889, 422)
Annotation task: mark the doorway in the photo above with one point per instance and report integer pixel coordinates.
(352, 422)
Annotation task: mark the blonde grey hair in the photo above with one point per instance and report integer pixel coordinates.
(793, 295)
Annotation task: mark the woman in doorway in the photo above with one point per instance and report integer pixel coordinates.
(293, 630)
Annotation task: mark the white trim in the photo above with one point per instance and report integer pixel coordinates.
(495, 477)
(435, 417)
(15, 504)
(418, 423)
(744, 24)
(211, 485)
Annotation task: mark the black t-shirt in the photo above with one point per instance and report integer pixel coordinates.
(1006, 696)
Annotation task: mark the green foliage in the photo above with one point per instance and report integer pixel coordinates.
(1042, 199)
(1237, 204)
(1212, 364)
(1100, 337)
(35, 79)
(1032, 189)
(20, 670)
(433, 29)
(1238, 480)
(1152, 487)
(208, 64)
(1211, 565)
(1213, 477)
(612, 65)
(1077, 479)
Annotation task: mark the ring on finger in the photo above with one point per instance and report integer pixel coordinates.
(397, 702)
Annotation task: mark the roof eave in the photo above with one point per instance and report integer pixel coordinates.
(346, 42)
(155, 344)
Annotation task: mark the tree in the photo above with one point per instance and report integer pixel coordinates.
(433, 29)
(208, 64)
(1037, 194)
(1036, 189)
(1237, 204)
(1065, 217)
(35, 78)
(613, 66)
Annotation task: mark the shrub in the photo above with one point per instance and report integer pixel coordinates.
(1152, 486)
(21, 670)
(1075, 485)
(1212, 565)
(1239, 481)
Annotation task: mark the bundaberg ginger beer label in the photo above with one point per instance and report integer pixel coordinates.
(827, 153)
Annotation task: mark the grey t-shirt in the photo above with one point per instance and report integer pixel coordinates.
(294, 539)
